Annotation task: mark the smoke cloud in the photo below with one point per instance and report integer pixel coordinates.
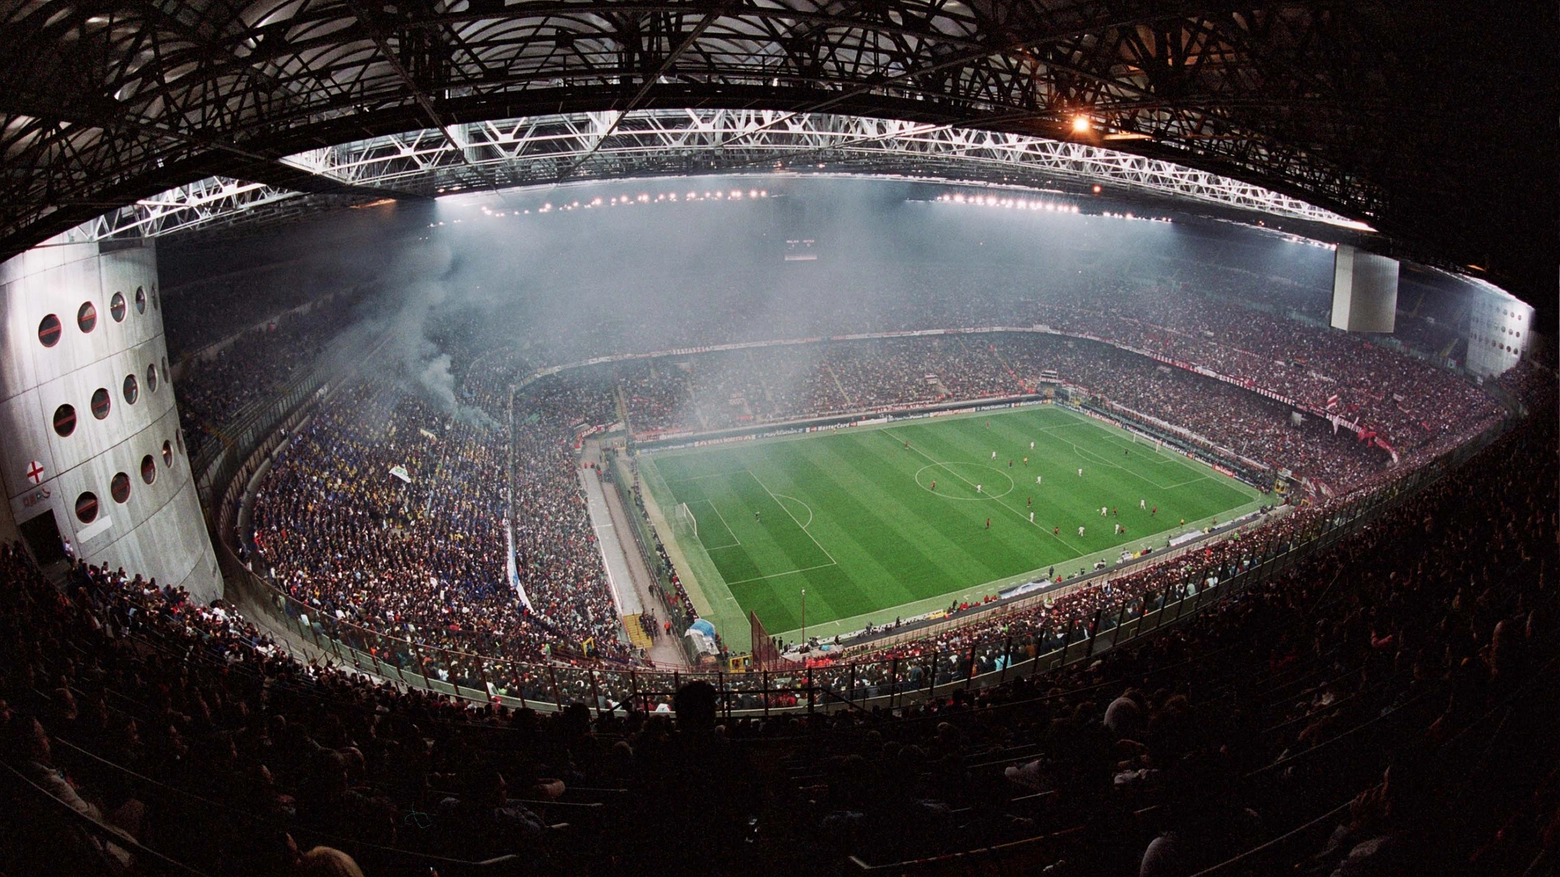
(567, 273)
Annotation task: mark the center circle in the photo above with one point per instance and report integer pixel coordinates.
(993, 481)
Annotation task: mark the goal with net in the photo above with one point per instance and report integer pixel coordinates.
(684, 518)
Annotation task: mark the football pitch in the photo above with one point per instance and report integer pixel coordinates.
(904, 518)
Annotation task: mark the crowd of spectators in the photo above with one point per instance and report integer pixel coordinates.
(218, 384)
(1316, 722)
(560, 568)
(384, 512)
(1529, 382)
(1209, 316)
(1257, 328)
(423, 561)
(559, 561)
(388, 513)
(1228, 417)
(726, 389)
(1408, 401)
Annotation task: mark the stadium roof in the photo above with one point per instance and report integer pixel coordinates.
(505, 153)
(1349, 107)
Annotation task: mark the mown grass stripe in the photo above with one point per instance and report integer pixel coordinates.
(876, 538)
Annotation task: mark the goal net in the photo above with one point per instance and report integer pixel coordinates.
(684, 518)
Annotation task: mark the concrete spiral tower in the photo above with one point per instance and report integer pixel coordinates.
(90, 449)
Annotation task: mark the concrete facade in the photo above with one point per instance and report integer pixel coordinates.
(89, 429)
(1500, 331)
(1365, 291)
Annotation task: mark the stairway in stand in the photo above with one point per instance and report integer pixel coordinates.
(636, 632)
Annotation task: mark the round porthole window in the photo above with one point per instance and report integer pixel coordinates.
(86, 316)
(65, 420)
(116, 307)
(140, 300)
(148, 469)
(101, 403)
(132, 390)
(86, 507)
(119, 488)
(49, 331)
(167, 453)
(151, 378)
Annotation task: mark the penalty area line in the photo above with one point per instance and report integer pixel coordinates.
(789, 572)
(798, 524)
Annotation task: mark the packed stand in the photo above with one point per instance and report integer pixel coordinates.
(1311, 723)
(255, 365)
(1532, 383)
(420, 555)
(665, 394)
(558, 559)
(439, 578)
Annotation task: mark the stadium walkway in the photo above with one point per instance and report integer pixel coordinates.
(627, 575)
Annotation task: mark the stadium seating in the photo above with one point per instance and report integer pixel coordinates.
(1301, 718)
(1315, 720)
(434, 542)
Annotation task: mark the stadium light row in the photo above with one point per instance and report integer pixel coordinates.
(543, 150)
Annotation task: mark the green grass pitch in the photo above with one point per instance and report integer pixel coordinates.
(853, 517)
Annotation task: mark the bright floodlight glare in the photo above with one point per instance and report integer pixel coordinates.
(1080, 124)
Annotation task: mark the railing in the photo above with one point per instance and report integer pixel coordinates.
(551, 684)
(49, 834)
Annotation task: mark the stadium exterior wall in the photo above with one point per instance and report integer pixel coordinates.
(91, 443)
